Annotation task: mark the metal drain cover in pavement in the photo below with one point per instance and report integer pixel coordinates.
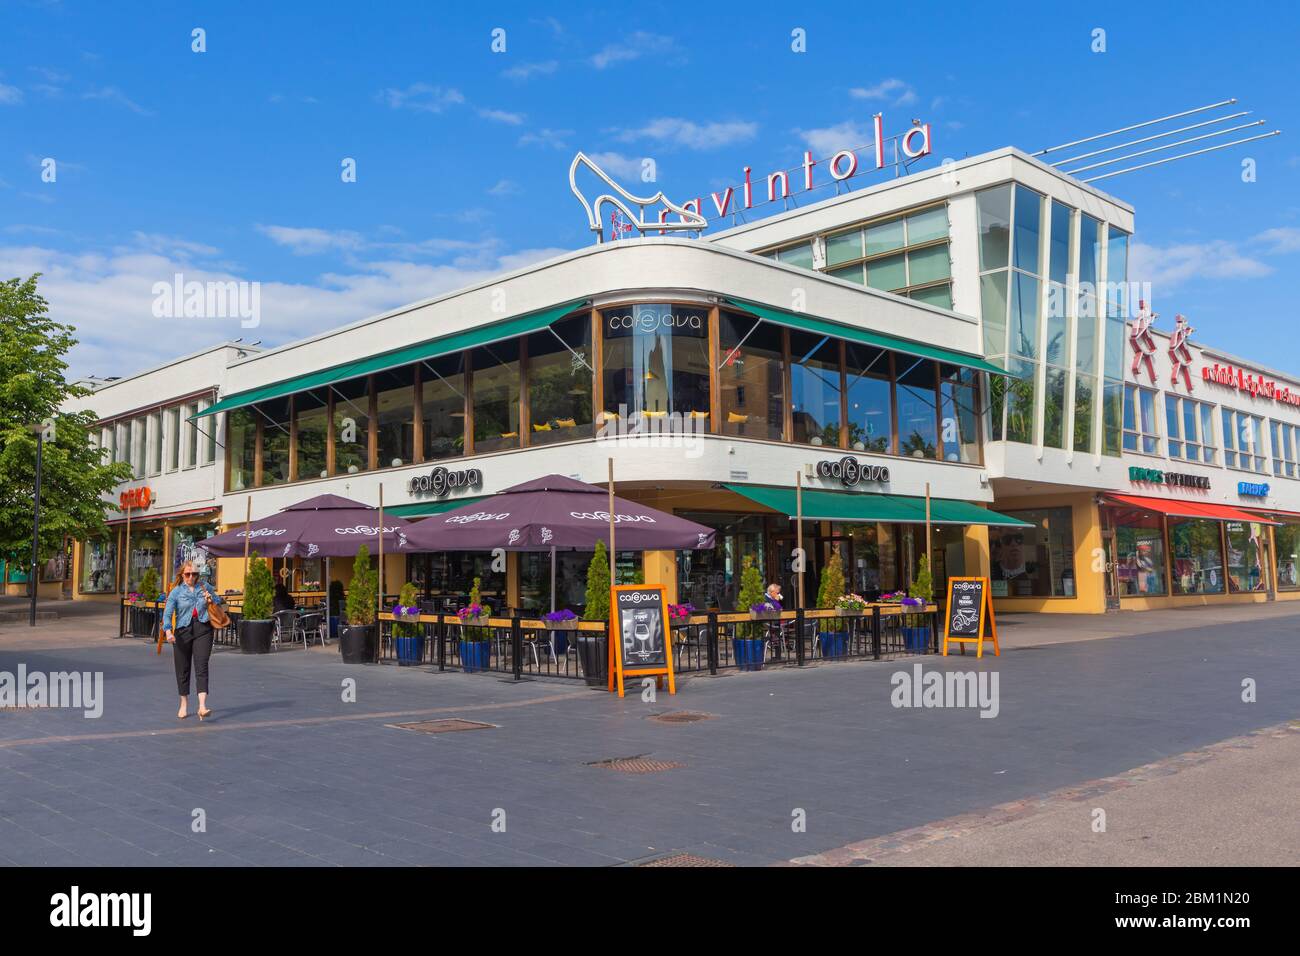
(685, 859)
(635, 764)
(448, 726)
(681, 717)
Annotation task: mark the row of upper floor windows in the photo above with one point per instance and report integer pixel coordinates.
(160, 441)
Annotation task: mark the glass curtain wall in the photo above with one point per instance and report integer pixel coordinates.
(495, 396)
(815, 389)
(869, 389)
(442, 406)
(656, 364)
(751, 377)
(559, 382)
(1116, 317)
(312, 412)
(351, 426)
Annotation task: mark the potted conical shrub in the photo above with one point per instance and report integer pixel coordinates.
(593, 649)
(919, 594)
(358, 641)
(475, 645)
(747, 645)
(408, 636)
(255, 623)
(834, 638)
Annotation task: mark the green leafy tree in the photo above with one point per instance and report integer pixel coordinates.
(597, 608)
(361, 592)
(35, 391)
(259, 590)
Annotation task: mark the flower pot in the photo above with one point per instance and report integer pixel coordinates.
(475, 655)
(765, 615)
(561, 625)
(592, 658)
(915, 639)
(410, 650)
(478, 620)
(358, 643)
(834, 643)
(255, 636)
(850, 612)
(748, 652)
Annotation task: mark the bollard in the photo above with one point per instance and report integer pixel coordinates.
(711, 641)
(517, 648)
(875, 632)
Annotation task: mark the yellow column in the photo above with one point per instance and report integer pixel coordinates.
(661, 568)
(975, 549)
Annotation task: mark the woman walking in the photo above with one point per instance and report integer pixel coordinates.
(190, 635)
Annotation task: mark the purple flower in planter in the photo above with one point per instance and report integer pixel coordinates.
(473, 610)
(680, 612)
(913, 602)
(771, 604)
(560, 616)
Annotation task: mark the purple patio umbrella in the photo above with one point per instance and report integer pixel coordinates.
(325, 527)
(555, 513)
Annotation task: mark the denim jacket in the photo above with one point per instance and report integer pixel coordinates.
(182, 601)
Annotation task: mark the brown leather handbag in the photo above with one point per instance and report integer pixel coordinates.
(217, 616)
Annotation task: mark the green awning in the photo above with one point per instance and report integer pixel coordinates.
(423, 509)
(444, 345)
(809, 323)
(868, 506)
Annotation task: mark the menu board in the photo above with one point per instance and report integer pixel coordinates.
(969, 618)
(639, 640)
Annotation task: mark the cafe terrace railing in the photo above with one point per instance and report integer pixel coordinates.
(140, 619)
(703, 643)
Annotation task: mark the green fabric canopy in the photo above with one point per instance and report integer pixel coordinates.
(444, 345)
(869, 506)
(808, 323)
(425, 508)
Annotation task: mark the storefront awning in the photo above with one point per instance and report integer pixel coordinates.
(444, 345)
(143, 517)
(866, 506)
(818, 326)
(423, 509)
(1188, 509)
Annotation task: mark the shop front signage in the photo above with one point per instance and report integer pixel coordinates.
(136, 498)
(441, 481)
(1154, 476)
(851, 472)
(649, 320)
(1252, 489)
(1255, 385)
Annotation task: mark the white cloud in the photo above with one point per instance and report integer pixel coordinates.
(831, 139)
(306, 241)
(892, 89)
(553, 138)
(526, 71)
(422, 97)
(1281, 240)
(675, 131)
(108, 297)
(501, 116)
(1169, 267)
(111, 94)
(10, 95)
(505, 187)
(637, 45)
(618, 165)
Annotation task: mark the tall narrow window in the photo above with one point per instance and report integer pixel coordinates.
(351, 426)
(174, 438)
(241, 447)
(871, 411)
(559, 382)
(496, 397)
(395, 402)
(815, 389)
(275, 440)
(312, 411)
(751, 378)
(443, 409)
(917, 408)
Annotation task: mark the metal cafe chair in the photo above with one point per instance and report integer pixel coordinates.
(313, 623)
(544, 638)
(286, 628)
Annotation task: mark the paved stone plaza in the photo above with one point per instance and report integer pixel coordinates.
(289, 774)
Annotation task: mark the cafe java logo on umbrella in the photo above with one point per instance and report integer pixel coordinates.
(546, 535)
(362, 529)
(604, 516)
(312, 549)
(476, 516)
(513, 536)
(263, 533)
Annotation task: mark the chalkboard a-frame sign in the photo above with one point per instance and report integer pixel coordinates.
(639, 641)
(969, 618)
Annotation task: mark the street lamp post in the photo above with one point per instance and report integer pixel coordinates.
(33, 576)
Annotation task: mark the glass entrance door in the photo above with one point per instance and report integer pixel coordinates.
(1110, 571)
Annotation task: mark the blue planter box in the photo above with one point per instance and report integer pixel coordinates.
(835, 644)
(475, 655)
(748, 653)
(916, 639)
(410, 650)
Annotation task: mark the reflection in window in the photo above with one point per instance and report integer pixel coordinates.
(313, 433)
(995, 227)
(351, 427)
(99, 566)
(1020, 391)
(918, 435)
(395, 416)
(871, 412)
(1139, 552)
(1197, 552)
(241, 447)
(751, 377)
(1085, 390)
(1287, 539)
(815, 389)
(656, 360)
(1029, 211)
(1246, 557)
(275, 440)
(496, 396)
(1037, 561)
(959, 422)
(559, 381)
(443, 406)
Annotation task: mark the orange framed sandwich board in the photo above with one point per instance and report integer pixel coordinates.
(639, 642)
(970, 605)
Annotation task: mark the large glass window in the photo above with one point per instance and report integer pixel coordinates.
(959, 421)
(1037, 561)
(751, 378)
(1190, 427)
(395, 416)
(1116, 301)
(351, 426)
(495, 394)
(1243, 440)
(815, 389)
(275, 440)
(1246, 551)
(1287, 539)
(443, 386)
(918, 435)
(99, 565)
(1029, 212)
(312, 411)
(155, 443)
(1141, 428)
(241, 447)
(144, 548)
(995, 227)
(1197, 550)
(1285, 442)
(559, 381)
(1139, 553)
(711, 579)
(1085, 408)
(185, 547)
(871, 409)
(656, 360)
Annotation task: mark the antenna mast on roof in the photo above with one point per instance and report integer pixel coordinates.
(1157, 136)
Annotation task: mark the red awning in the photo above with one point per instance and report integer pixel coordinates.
(1189, 509)
(144, 518)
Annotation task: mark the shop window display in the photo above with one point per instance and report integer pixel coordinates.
(1139, 554)
(1037, 561)
(1197, 551)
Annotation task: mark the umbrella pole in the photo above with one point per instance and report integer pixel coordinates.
(929, 563)
(248, 535)
(552, 579)
(381, 547)
(612, 579)
(798, 529)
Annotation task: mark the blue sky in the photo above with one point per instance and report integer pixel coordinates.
(226, 164)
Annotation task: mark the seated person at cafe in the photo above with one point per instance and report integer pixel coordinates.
(283, 600)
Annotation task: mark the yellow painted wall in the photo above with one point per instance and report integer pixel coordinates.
(1089, 575)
